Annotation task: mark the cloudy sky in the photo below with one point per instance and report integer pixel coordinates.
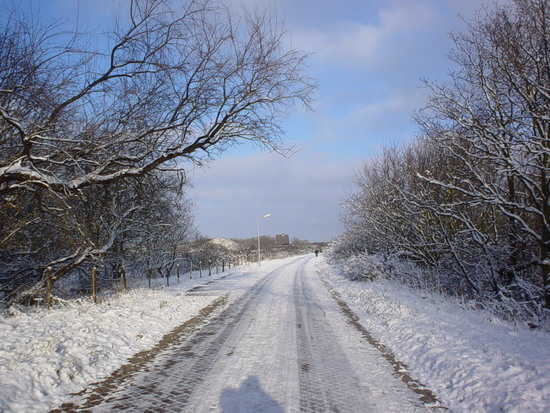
(368, 57)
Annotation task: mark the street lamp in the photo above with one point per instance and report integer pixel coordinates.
(263, 216)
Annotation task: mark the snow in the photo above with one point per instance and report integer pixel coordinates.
(45, 355)
(225, 243)
(471, 360)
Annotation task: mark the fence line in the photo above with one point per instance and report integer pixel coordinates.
(192, 268)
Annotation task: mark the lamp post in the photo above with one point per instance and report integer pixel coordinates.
(263, 216)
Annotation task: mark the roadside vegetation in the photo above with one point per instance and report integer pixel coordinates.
(465, 207)
(98, 129)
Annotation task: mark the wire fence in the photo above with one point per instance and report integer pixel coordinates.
(100, 279)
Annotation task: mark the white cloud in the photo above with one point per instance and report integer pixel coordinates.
(391, 113)
(302, 192)
(370, 44)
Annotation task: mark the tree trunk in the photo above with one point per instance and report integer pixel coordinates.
(545, 232)
(545, 247)
(545, 277)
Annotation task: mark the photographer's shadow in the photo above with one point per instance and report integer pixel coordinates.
(249, 397)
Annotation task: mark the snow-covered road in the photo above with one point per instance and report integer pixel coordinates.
(275, 342)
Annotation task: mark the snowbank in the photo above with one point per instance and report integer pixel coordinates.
(472, 361)
(45, 355)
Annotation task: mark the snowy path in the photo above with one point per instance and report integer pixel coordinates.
(277, 344)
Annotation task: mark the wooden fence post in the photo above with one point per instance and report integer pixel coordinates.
(209, 268)
(149, 276)
(94, 284)
(123, 276)
(49, 285)
(167, 277)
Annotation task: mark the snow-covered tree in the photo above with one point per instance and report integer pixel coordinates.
(174, 84)
(471, 196)
(493, 122)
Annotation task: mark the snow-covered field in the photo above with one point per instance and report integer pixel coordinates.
(472, 361)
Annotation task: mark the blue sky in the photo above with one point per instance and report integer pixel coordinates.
(369, 57)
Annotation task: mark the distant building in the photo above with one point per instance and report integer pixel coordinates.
(282, 239)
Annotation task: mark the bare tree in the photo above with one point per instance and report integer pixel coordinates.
(471, 196)
(173, 86)
(493, 120)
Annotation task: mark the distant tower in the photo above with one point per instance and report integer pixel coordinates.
(282, 239)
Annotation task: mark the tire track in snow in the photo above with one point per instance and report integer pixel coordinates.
(183, 374)
(327, 383)
(167, 379)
